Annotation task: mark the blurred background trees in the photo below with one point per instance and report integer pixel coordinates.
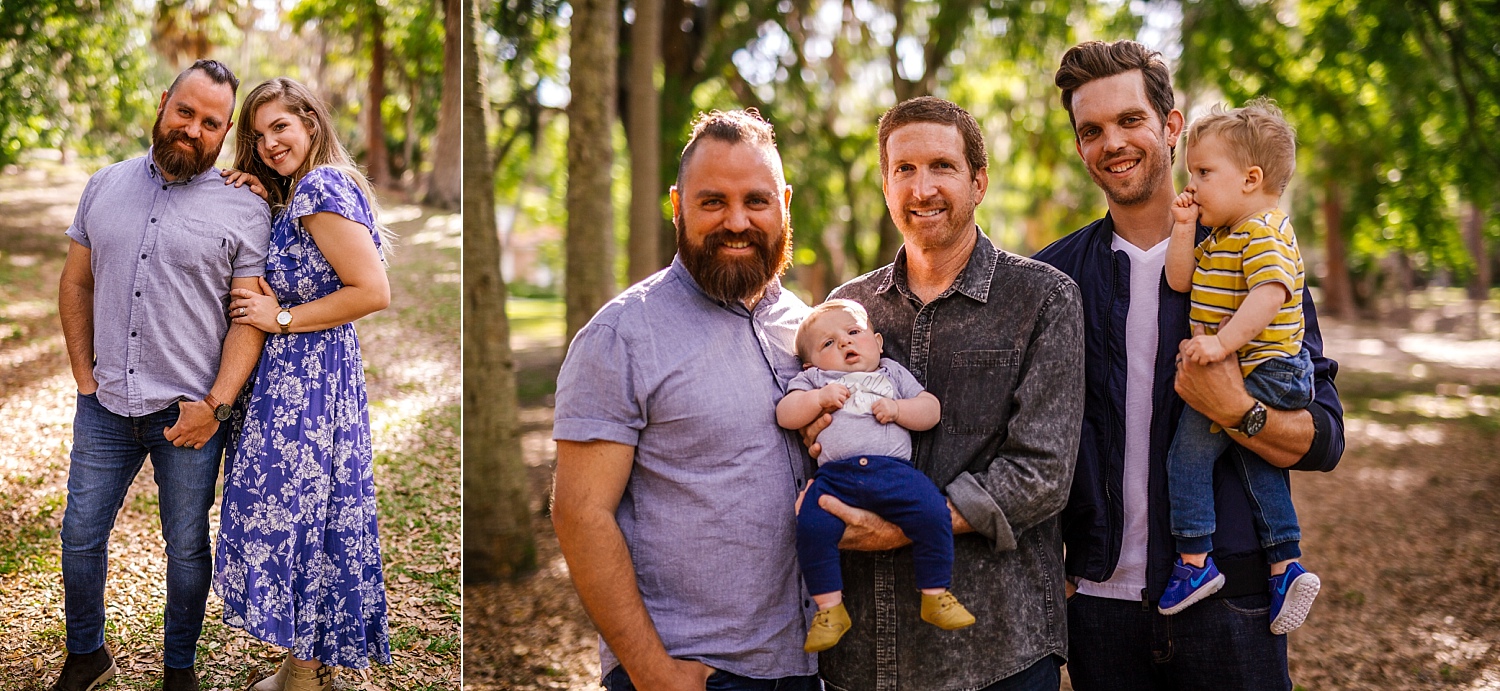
(1395, 104)
(83, 77)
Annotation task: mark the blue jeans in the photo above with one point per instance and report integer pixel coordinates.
(618, 680)
(1221, 644)
(108, 451)
(1281, 383)
(894, 490)
(1043, 675)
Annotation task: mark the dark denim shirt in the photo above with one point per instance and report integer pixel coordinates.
(1002, 349)
(1093, 521)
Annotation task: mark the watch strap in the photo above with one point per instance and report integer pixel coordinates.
(1245, 419)
(211, 401)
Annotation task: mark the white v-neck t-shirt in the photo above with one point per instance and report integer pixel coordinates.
(1129, 579)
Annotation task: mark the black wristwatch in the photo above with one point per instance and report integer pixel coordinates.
(222, 411)
(1252, 423)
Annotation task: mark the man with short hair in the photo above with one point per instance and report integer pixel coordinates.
(674, 493)
(997, 338)
(1120, 551)
(157, 244)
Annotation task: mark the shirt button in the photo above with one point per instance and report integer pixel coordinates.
(131, 371)
(137, 293)
(153, 220)
(143, 256)
(864, 461)
(132, 333)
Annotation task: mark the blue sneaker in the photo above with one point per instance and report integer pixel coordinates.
(1292, 595)
(1190, 584)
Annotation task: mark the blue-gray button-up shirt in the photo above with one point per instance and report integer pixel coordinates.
(707, 513)
(162, 255)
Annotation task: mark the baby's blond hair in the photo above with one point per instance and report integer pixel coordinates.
(1256, 135)
(854, 309)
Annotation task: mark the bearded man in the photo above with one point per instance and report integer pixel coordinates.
(675, 487)
(157, 244)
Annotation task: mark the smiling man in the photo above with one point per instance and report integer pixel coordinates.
(1120, 551)
(674, 493)
(157, 244)
(998, 339)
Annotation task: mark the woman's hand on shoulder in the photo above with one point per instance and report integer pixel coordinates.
(240, 177)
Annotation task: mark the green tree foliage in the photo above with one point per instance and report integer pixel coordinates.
(73, 75)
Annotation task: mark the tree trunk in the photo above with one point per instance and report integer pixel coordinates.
(589, 280)
(445, 187)
(498, 542)
(645, 140)
(378, 159)
(1479, 284)
(1338, 291)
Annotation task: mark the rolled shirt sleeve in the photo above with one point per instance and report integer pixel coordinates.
(1029, 479)
(596, 390)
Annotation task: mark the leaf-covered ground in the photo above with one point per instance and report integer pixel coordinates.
(1402, 533)
(412, 365)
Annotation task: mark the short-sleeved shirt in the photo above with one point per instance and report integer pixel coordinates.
(854, 430)
(163, 254)
(1232, 262)
(692, 384)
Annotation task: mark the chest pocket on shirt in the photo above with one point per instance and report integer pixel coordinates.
(980, 385)
(194, 253)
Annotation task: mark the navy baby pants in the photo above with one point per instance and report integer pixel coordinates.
(894, 490)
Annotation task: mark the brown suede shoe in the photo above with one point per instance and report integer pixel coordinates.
(277, 681)
(173, 679)
(83, 672)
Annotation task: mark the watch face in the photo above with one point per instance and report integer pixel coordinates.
(222, 412)
(1255, 420)
(284, 317)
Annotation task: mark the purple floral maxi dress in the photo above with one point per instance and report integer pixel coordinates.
(298, 559)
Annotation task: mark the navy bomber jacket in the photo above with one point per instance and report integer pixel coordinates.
(1093, 520)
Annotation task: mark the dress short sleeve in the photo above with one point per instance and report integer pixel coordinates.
(332, 190)
(806, 380)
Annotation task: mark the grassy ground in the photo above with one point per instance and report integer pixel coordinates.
(1402, 532)
(412, 365)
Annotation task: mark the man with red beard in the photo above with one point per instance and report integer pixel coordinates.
(1120, 551)
(675, 487)
(157, 244)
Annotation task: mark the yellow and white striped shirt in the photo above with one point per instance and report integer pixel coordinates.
(1263, 249)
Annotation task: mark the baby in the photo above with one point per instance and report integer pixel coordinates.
(866, 463)
(1248, 269)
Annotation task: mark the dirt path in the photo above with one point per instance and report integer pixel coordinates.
(412, 367)
(1402, 533)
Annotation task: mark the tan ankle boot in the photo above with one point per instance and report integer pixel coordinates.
(304, 679)
(277, 681)
(944, 611)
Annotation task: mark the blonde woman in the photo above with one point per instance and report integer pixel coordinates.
(298, 560)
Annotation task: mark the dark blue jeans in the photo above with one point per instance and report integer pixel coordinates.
(1221, 643)
(1043, 675)
(895, 491)
(108, 451)
(618, 680)
(1282, 383)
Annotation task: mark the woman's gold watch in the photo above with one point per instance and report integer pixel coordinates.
(284, 320)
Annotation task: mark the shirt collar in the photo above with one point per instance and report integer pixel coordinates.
(974, 281)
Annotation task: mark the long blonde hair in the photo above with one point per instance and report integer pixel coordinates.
(325, 149)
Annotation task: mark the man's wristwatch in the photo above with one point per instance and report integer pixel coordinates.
(222, 411)
(1252, 423)
(284, 320)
